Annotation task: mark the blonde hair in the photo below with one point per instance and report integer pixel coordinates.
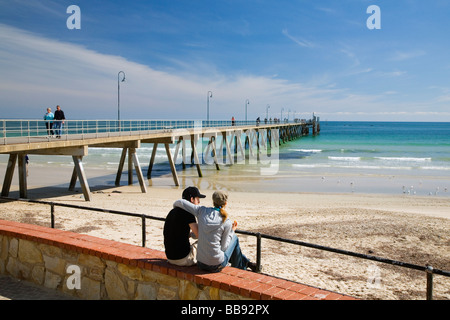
(224, 214)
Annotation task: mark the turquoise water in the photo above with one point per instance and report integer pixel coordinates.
(365, 157)
(381, 147)
(372, 157)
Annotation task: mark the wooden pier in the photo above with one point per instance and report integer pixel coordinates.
(235, 140)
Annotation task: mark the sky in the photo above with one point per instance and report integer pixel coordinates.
(285, 58)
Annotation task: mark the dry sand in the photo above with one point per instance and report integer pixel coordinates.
(405, 228)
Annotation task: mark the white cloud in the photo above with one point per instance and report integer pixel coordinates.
(38, 72)
(406, 55)
(396, 73)
(301, 42)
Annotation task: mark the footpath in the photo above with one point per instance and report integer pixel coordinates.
(13, 289)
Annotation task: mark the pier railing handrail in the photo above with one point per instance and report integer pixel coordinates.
(428, 269)
(11, 129)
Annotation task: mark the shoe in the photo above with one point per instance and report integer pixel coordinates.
(253, 267)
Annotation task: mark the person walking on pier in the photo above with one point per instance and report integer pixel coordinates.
(48, 117)
(59, 121)
(178, 227)
(218, 245)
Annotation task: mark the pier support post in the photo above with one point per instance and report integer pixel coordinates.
(22, 175)
(253, 136)
(275, 135)
(183, 154)
(76, 152)
(132, 160)
(181, 142)
(9, 174)
(73, 180)
(214, 150)
(166, 142)
(227, 142)
(172, 165)
(82, 177)
(194, 139)
(238, 145)
(120, 168)
(211, 148)
(137, 168)
(152, 160)
(130, 167)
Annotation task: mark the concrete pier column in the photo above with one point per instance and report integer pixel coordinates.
(82, 177)
(9, 174)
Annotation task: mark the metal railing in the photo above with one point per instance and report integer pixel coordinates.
(12, 130)
(428, 269)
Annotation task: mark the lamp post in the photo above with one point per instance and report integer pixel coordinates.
(246, 103)
(209, 95)
(118, 94)
(267, 112)
(281, 120)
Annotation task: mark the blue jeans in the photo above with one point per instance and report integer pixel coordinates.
(233, 255)
(57, 126)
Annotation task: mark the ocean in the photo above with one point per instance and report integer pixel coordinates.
(346, 157)
(374, 157)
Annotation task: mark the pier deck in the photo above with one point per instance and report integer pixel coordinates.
(76, 142)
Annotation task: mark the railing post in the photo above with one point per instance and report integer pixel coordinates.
(52, 215)
(429, 272)
(258, 252)
(28, 131)
(144, 235)
(4, 131)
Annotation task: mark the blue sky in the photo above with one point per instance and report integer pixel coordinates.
(300, 56)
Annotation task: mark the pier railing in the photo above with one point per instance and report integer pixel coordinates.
(428, 269)
(12, 130)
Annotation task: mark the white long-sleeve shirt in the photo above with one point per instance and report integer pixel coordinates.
(213, 236)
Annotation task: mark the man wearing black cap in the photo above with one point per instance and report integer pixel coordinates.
(177, 229)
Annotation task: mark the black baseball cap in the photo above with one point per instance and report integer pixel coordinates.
(192, 192)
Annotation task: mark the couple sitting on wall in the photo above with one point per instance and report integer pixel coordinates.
(217, 244)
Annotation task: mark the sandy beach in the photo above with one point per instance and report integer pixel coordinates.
(405, 228)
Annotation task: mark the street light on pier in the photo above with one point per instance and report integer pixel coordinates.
(246, 103)
(209, 95)
(267, 112)
(118, 94)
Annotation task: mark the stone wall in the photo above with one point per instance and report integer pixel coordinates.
(99, 279)
(92, 268)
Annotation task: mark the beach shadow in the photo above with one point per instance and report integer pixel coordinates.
(98, 184)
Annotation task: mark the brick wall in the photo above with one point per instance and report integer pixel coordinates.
(93, 268)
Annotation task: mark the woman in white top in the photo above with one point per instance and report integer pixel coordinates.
(217, 244)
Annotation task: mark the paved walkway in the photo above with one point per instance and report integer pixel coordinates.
(13, 289)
